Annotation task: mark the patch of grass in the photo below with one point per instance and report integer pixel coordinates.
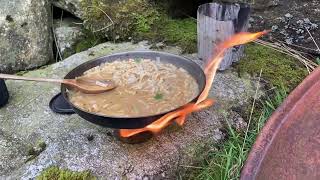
(278, 69)
(226, 163)
(56, 173)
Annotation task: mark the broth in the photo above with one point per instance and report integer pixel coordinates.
(144, 87)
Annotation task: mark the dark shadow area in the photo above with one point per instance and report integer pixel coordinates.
(58, 13)
(183, 8)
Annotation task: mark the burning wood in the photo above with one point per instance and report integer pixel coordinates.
(179, 116)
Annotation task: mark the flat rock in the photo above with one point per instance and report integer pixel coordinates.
(72, 142)
(25, 34)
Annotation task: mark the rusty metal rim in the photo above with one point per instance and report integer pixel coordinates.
(274, 123)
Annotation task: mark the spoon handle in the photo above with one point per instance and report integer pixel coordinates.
(8, 76)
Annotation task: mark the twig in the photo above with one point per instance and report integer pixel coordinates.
(194, 167)
(313, 39)
(112, 23)
(55, 38)
(77, 23)
(282, 48)
(302, 47)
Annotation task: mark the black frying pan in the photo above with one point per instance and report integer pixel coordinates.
(136, 122)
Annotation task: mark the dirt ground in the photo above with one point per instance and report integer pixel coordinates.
(289, 21)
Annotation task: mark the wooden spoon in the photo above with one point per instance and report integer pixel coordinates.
(85, 85)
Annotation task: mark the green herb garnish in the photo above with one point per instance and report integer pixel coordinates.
(137, 60)
(158, 96)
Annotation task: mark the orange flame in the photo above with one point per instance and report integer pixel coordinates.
(179, 116)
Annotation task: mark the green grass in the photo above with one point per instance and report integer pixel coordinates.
(227, 161)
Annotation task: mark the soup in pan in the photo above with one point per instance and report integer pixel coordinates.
(144, 87)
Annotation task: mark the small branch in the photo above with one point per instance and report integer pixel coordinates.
(193, 167)
(283, 48)
(54, 36)
(313, 39)
(112, 23)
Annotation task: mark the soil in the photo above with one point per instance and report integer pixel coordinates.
(289, 21)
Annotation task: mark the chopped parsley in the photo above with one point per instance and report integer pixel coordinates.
(137, 60)
(158, 96)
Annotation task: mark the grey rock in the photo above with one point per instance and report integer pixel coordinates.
(258, 4)
(274, 28)
(11, 146)
(314, 26)
(25, 34)
(307, 20)
(289, 40)
(288, 15)
(263, 4)
(283, 32)
(72, 6)
(236, 121)
(67, 34)
(300, 22)
(300, 31)
(29, 118)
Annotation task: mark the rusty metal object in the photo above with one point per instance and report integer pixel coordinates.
(288, 147)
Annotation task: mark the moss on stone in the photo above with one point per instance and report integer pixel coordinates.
(138, 20)
(278, 69)
(127, 16)
(180, 32)
(34, 151)
(56, 173)
(90, 39)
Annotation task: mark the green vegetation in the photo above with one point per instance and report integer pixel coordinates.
(137, 20)
(318, 61)
(90, 40)
(180, 32)
(227, 161)
(119, 20)
(56, 173)
(277, 69)
(138, 60)
(34, 151)
(158, 96)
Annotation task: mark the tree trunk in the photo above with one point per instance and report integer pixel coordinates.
(217, 22)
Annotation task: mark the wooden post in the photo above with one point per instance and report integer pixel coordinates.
(216, 22)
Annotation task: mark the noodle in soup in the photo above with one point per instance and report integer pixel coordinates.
(144, 87)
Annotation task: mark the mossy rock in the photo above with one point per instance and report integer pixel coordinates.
(280, 70)
(137, 20)
(118, 20)
(179, 32)
(56, 173)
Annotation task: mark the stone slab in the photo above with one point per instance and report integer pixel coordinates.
(27, 120)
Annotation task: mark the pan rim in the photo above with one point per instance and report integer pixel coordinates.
(195, 65)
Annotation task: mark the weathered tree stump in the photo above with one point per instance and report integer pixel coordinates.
(217, 22)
